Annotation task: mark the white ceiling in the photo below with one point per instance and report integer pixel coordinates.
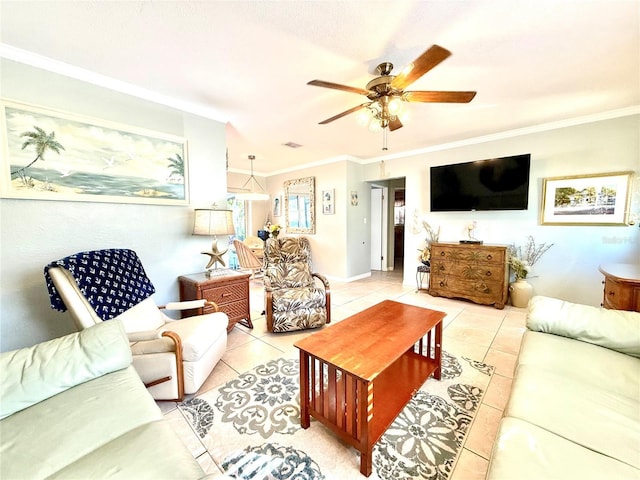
(247, 63)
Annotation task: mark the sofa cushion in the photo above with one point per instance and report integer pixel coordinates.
(30, 375)
(614, 329)
(588, 415)
(46, 437)
(121, 458)
(608, 369)
(524, 451)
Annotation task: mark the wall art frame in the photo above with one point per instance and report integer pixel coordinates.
(328, 202)
(598, 199)
(277, 206)
(54, 155)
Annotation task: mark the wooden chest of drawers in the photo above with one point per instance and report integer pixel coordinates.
(621, 286)
(479, 273)
(230, 291)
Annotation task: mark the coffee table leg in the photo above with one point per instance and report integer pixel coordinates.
(437, 374)
(305, 421)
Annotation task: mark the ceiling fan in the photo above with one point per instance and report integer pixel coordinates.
(387, 92)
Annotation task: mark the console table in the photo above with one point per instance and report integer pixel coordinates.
(475, 272)
(228, 289)
(621, 286)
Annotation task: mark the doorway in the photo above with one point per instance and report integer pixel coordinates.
(378, 227)
(387, 225)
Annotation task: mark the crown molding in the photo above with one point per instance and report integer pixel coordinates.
(29, 58)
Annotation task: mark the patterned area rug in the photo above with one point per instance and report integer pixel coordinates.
(251, 427)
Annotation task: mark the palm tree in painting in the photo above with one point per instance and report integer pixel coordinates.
(42, 142)
(176, 165)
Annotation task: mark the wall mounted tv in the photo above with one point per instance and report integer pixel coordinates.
(492, 184)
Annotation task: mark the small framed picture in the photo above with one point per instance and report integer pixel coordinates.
(600, 199)
(354, 198)
(277, 206)
(328, 202)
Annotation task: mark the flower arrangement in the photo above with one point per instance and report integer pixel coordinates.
(432, 236)
(521, 259)
(275, 230)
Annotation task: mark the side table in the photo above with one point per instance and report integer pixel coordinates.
(420, 273)
(228, 289)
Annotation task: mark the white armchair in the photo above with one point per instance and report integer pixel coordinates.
(172, 357)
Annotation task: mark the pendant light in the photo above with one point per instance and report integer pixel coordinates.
(252, 190)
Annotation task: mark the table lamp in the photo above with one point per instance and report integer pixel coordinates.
(213, 223)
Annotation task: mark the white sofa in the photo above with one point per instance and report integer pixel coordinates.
(574, 408)
(74, 407)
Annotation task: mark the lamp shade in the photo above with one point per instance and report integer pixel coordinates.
(213, 222)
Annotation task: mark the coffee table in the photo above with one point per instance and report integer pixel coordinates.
(357, 375)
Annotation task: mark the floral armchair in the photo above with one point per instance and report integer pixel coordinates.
(293, 298)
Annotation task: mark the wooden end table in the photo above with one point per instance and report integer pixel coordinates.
(229, 289)
(357, 375)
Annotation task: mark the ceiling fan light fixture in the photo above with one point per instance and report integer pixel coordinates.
(363, 117)
(375, 125)
(395, 105)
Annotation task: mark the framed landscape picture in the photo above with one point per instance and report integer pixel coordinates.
(599, 199)
(51, 155)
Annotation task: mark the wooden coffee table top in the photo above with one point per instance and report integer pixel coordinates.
(368, 342)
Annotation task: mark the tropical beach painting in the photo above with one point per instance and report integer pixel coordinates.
(57, 156)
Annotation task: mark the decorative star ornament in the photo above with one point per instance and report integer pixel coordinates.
(216, 255)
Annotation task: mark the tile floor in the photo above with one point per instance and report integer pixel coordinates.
(479, 332)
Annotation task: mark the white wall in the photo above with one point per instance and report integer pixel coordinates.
(569, 270)
(33, 233)
(328, 244)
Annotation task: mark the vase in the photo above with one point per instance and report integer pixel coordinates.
(521, 292)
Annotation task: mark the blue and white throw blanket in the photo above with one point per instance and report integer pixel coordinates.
(112, 280)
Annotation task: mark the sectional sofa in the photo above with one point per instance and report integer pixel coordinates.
(74, 407)
(574, 408)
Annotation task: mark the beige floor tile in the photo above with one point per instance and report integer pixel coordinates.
(473, 319)
(249, 355)
(238, 336)
(464, 349)
(508, 339)
(498, 392)
(475, 335)
(483, 431)
(470, 466)
(222, 373)
(505, 363)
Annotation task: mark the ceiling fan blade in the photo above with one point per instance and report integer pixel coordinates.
(395, 124)
(337, 86)
(421, 65)
(438, 97)
(347, 112)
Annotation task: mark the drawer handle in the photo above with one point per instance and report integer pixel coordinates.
(442, 284)
(225, 294)
(611, 294)
(441, 268)
(488, 274)
(442, 254)
(489, 257)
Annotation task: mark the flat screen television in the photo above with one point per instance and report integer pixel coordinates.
(492, 184)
